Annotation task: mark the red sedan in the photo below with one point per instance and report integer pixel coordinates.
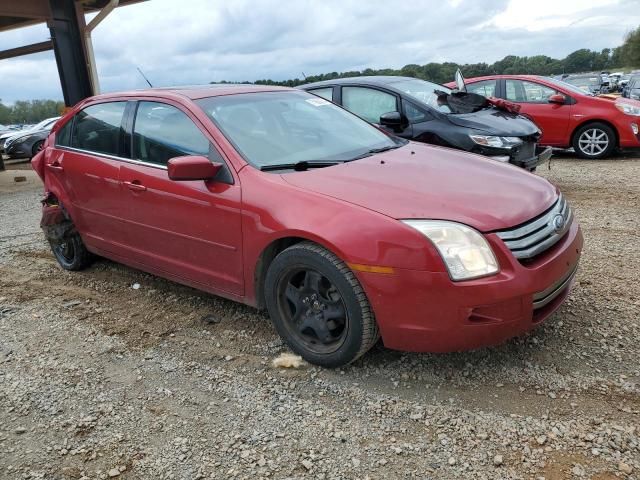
(568, 116)
(282, 200)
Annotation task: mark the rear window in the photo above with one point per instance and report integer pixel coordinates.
(97, 128)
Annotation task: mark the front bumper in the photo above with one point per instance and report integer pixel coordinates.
(16, 151)
(427, 312)
(543, 154)
(540, 156)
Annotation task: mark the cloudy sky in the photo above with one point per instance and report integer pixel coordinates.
(198, 41)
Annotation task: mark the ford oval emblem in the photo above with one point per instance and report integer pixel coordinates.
(557, 223)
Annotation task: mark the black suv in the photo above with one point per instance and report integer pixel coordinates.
(431, 113)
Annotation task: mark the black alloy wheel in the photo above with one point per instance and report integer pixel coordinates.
(312, 309)
(318, 306)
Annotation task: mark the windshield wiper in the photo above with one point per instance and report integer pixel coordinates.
(301, 165)
(373, 151)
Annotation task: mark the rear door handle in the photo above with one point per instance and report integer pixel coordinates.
(135, 185)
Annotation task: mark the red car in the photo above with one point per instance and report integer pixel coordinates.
(277, 198)
(567, 115)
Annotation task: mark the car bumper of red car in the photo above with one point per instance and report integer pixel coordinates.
(427, 312)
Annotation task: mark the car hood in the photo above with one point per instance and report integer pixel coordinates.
(11, 134)
(425, 182)
(495, 122)
(27, 133)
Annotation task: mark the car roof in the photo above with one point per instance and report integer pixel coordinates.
(365, 80)
(192, 92)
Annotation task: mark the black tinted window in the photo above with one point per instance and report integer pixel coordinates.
(63, 136)
(97, 128)
(162, 132)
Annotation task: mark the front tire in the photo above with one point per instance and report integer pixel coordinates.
(594, 141)
(318, 306)
(36, 148)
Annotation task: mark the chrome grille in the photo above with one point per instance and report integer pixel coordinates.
(541, 233)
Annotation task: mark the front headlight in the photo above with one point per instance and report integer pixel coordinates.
(464, 250)
(628, 109)
(498, 142)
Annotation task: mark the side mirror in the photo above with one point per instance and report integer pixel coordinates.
(557, 98)
(192, 167)
(392, 120)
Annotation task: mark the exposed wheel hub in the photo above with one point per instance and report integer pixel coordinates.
(314, 309)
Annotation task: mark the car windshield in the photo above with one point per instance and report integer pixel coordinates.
(585, 83)
(568, 86)
(425, 92)
(286, 127)
(44, 124)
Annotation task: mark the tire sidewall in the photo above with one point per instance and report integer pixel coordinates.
(34, 148)
(76, 262)
(302, 257)
(600, 126)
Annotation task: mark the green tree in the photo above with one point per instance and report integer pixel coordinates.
(626, 55)
(629, 54)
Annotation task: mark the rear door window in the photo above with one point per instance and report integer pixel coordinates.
(368, 103)
(527, 92)
(98, 128)
(162, 132)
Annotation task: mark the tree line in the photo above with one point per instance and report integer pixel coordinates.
(29, 111)
(625, 56)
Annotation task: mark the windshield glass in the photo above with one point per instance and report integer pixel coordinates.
(586, 84)
(273, 128)
(43, 124)
(567, 86)
(425, 92)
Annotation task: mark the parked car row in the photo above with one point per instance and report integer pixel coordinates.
(567, 115)
(26, 142)
(632, 87)
(344, 231)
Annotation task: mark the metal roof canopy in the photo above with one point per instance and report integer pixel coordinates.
(70, 38)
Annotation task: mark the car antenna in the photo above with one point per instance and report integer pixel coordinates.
(144, 76)
(304, 76)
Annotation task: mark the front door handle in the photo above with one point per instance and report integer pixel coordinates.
(55, 166)
(135, 185)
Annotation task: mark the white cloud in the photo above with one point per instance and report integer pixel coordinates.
(200, 41)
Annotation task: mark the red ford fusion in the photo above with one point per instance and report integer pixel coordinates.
(282, 200)
(567, 115)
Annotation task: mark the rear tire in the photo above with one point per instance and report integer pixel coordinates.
(318, 306)
(71, 253)
(594, 141)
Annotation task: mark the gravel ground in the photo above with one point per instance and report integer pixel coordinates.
(102, 380)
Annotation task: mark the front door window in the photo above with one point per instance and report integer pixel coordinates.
(368, 103)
